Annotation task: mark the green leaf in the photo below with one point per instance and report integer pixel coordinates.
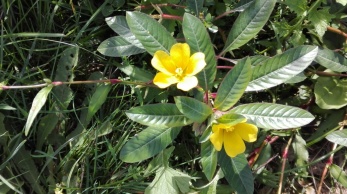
(330, 92)
(135, 73)
(300, 151)
(327, 125)
(339, 174)
(338, 137)
(64, 72)
(47, 124)
(199, 41)
(208, 159)
(158, 115)
(231, 118)
(6, 107)
(38, 102)
(168, 180)
(97, 100)
(331, 60)
(152, 35)
(117, 46)
(99, 94)
(148, 143)
(195, 5)
(298, 6)
(193, 109)
(237, 172)
(321, 19)
(274, 116)
(162, 159)
(281, 68)
(120, 26)
(28, 170)
(233, 85)
(249, 23)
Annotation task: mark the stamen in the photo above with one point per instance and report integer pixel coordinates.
(179, 72)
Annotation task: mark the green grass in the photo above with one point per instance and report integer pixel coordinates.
(74, 142)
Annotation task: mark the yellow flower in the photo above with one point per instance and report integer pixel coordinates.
(178, 67)
(232, 136)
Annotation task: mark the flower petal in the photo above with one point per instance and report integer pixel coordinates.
(247, 132)
(187, 83)
(180, 54)
(162, 62)
(196, 64)
(163, 80)
(217, 138)
(233, 144)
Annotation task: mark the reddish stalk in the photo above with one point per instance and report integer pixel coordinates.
(223, 15)
(141, 7)
(322, 73)
(58, 83)
(255, 154)
(284, 160)
(337, 31)
(226, 59)
(167, 17)
(225, 67)
(330, 159)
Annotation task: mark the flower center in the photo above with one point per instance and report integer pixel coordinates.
(229, 129)
(179, 73)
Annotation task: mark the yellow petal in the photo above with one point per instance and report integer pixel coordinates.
(233, 144)
(163, 81)
(162, 62)
(247, 132)
(196, 64)
(217, 138)
(187, 83)
(180, 54)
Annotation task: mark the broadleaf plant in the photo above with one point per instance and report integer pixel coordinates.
(233, 96)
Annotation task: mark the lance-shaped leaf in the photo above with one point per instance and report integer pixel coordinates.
(199, 41)
(338, 137)
(274, 116)
(195, 6)
(231, 119)
(208, 159)
(117, 46)
(339, 174)
(148, 143)
(331, 60)
(120, 26)
(158, 115)
(330, 92)
(237, 172)
(233, 85)
(152, 35)
(249, 23)
(38, 102)
(281, 68)
(193, 109)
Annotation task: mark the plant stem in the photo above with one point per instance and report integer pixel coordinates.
(141, 7)
(255, 154)
(284, 160)
(226, 59)
(223, 14)
(328, 74)
(58, 83)
(330, 159)
(337, 31)
(225, 67)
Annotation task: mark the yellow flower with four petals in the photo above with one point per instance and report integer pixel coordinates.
(178, 67)
(232, 137)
